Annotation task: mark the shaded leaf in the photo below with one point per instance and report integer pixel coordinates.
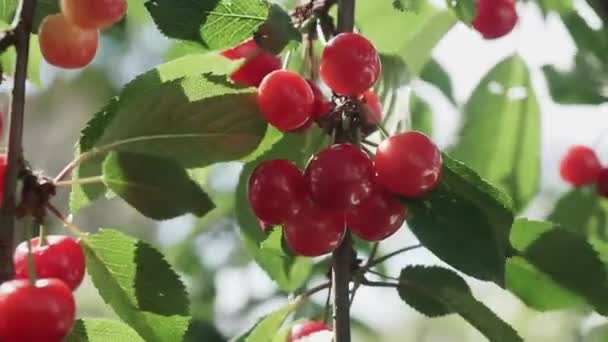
(102, 330)
(435, 291)
(158, 188)
(464, 9)
(504, 114)
(465, 222)
(139, 285)
(435, 74)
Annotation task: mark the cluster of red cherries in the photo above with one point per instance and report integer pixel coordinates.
(42, 292)
(580, 167)
(342, 186)
(495, 18)
(69, 39)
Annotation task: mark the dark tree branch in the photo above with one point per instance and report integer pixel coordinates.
(15, 138)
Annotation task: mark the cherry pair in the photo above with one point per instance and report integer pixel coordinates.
(69, 39)
(340, 187)
(580, 166)
(44, 310)
(495, 18)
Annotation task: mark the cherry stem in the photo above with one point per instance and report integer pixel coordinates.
(42, 236)
(66, 223)
(382, 275)
(20, 38)
(327, 304)
(370, 143)
(80, 181)
(31, 267)
(385, 257)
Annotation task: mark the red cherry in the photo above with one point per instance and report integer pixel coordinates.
(408, 164)
(580, 166)
(372, 104)
(285, 100)
(43, 312)
(61, 257)
(322, 107)
(350, 64)
(340, 177)
(602, 183)
(64, 45)
(495, 18)
(304, 329)
(3, 164)
(276, 191)
(305, 126)
(314, 232)
(377, 217)
(94, 14)
(259, 63)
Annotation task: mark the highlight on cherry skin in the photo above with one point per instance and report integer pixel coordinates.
(94, 14)
(314, 231)
(350, 64)
(59, 257)
(65, 45)
(580, 166)
(41, 312)
(300, 331)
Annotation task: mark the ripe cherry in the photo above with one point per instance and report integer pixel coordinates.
(580, 166)
(377, 217)
(350, 64)
(64, 45)
(408, 164)
(259, 63)
(43, 312)
(60, 257)
(314, 232)
(602, 183)
(305, 329)
(94, 14)
(3, 164)
(321, 107)
(285, 100)
(495, 18)
(372, 104)
(276, 191)
(339, 177)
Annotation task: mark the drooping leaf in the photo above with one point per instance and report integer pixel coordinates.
(265, 329)
(464, 9)
(435, 74)
(102, 330)
(139, 285)
(465, 222)
(421, 115)
(158, 188)
(567, 259)
(183, 110)
(214, 23)
(416, 34)
(435, 291)
(504, 114)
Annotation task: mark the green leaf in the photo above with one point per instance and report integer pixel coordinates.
(504, 114)
(435, 74)
(421, 115)
(525, 280)
(183, 110)
(44, 8)
(394, 76)
(435, 291)
(215, 23)
(407, 5)
(102, 330)
(464, 9)
(7, 59)
(265, 329)
(568, 260)
(8, 9)
(278, 32)
(137, 282)
(416, 34)
(465, 222)
(158, 188)
(560, 6)
(289, 272)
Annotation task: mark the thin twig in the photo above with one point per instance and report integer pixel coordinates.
(371, 283)
(357, 280)
(382, 275)
(15, 138)
(388, 256)
(370, 143)
(327, 304)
